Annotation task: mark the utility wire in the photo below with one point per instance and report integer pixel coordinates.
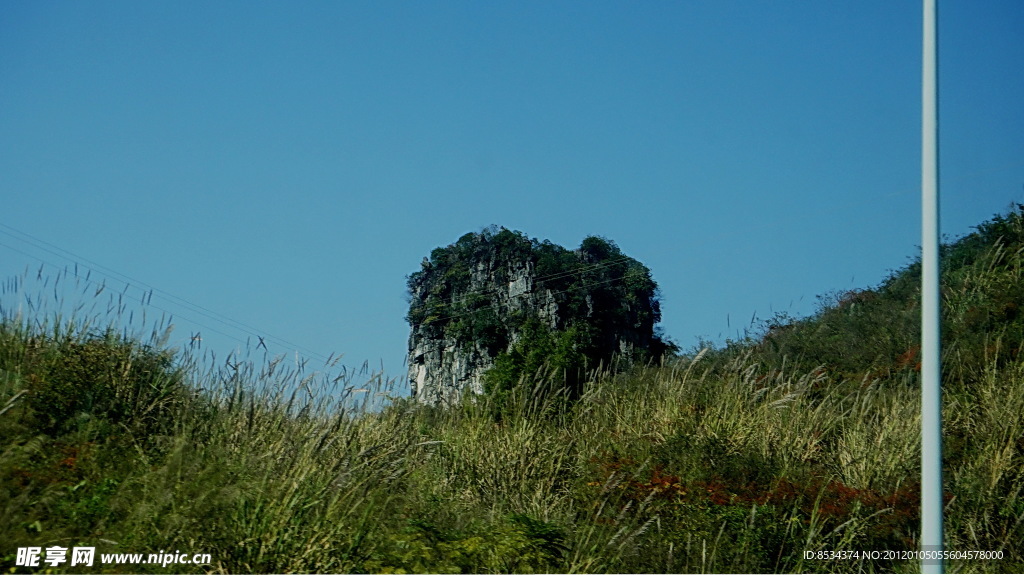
(101, 286)
(249, 330)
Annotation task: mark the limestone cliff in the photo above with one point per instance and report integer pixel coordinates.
(472, 301)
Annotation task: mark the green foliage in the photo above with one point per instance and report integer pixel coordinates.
(551, 360)
(517, 544)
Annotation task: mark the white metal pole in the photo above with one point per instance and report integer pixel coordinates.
(931, 366)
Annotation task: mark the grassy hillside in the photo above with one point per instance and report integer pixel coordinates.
(801, 438)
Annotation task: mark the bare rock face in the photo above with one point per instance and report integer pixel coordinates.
(478, 302)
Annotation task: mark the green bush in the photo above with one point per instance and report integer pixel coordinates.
(543, 364)
(517, 544)
(103, 377)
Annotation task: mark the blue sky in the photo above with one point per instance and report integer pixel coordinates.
(287, 164)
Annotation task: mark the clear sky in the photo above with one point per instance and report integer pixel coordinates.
(288, 164)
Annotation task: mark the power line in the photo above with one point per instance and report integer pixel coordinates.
(101, 286)
(102, 270)
(249, 330)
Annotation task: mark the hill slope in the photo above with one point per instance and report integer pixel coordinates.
(876, 332)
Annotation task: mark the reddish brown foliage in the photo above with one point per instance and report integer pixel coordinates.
(830, 500)
(909, 358)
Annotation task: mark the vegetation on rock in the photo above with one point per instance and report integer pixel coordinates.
(579, 309)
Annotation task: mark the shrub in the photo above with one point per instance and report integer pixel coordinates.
(103, 377)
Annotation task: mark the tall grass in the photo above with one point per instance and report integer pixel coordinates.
(675, 468)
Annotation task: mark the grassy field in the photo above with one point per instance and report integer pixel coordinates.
(752, 457)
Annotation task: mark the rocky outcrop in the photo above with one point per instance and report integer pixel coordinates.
(471, 301)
